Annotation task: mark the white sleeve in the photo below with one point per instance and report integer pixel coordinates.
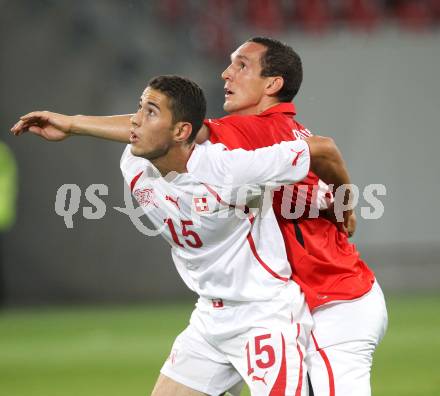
(284, 163)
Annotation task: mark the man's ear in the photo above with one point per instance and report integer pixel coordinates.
(182, 131)
(274, 85)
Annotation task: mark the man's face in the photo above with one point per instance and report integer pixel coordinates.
(244, 86)
(152, 126)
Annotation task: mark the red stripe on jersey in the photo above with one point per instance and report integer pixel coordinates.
(301, 357)
(257, 256)
(331, 379)
(249, 236)
(134, 180)
(219, 199)
(279, 387)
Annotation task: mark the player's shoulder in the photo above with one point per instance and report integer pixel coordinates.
(300, 131)
(206, 162)
(206, 150)
(234, 120)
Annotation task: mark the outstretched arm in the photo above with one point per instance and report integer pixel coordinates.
(284, 163)
(57, 127)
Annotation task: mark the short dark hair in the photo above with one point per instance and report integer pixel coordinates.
(187, 100)
(281, 60)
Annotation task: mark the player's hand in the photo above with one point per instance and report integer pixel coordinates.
(345, 223)
(348, 226)
(50, 126)
(351, 224)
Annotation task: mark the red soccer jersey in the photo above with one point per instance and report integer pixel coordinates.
(324, 263)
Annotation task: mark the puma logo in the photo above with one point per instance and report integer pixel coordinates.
(174, 201)
(262, 379)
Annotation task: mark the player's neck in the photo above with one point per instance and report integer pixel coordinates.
(175, 160)
(265, 103)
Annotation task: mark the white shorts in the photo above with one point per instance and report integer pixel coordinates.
(261, 342)
(344, 337)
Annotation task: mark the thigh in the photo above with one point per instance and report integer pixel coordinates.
(341, 370)
(165, 386)
(340, 352)
(196, 364)
(270, 359)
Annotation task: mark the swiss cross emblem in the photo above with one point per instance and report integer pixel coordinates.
(201, 204)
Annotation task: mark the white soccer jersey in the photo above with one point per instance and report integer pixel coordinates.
(221, 248)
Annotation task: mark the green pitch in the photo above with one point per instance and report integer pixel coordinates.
(119, 351)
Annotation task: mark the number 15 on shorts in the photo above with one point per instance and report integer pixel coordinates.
(274, 364)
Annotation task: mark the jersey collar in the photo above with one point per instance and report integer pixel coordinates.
(284, 107)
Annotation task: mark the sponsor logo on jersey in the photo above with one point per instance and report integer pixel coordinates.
(257, 378)
(175, 201)
(145, 197)
(298, 153)
(201, 204)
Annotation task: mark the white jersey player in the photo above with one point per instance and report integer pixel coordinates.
(251, 320)
(223, 249)
(235, 260)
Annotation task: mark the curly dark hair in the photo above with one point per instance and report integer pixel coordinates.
(187, 100)
(281, 60)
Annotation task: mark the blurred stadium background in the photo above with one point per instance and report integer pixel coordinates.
(94, 309)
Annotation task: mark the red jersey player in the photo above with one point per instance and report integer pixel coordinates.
(347, 304)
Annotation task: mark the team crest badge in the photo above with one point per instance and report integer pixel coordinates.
(145, 197)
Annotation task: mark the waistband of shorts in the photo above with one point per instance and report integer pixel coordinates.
(220, 303)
